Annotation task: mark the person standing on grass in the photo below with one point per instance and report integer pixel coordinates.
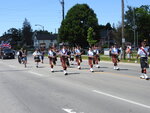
(90, 59)
(128, 53)
(37, 55)
(115, 54)
(143, 54)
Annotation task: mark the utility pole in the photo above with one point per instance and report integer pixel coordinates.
(134, 26)
(108, 35)
(63, 9)
(137, 39)
(123, 39)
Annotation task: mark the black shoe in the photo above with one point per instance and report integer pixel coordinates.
(66, 74)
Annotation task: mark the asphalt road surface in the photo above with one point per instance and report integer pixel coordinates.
(37, 90)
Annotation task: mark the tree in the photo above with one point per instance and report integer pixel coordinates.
(108, 26)
(141, 17)
(76, 23)
(16, 34)
(27, 33)
(117, 34)
(12, 36)
(90, 36)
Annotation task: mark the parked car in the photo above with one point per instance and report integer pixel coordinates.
(7, 53)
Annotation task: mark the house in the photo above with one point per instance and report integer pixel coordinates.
(44, 40)
(7, 38)
(106, 37)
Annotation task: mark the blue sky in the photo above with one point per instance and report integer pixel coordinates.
(48, 12)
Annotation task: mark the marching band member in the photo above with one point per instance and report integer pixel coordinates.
(55, 55)
(19, 54)
(51, 56)
(42, 51)
(78, 57)
(90, 59)
(37, 55)
(63, 59)
(114, 54)
(143, 53)
(96, 56)
(72, 56)
(24, 57)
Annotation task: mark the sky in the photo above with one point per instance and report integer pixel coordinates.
(48, 13)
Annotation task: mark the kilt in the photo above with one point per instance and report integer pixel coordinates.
(114, 58)
(51, 59)
(96, 59)
(144, 62)
(71, 58)
(78, 58)
(37, 59)
(63, 60)
(90, 59)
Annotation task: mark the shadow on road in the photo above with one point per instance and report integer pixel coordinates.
(73, 73)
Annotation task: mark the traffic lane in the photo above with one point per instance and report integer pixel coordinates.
(9, 103)
(68, 95)
(101, 84)
(129, 69)
(97, 81)
(26, 92)
(129, 87)
(115, 79)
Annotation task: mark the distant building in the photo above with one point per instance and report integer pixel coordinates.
(44, 40)
(106, 37)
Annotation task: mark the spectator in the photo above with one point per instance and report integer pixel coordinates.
(128, 53)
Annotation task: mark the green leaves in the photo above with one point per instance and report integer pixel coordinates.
(141, 15)
(90, 36)
(76, 23)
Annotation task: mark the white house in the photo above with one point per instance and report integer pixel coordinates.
(44, 40)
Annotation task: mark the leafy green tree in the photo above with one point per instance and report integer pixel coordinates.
(27, 33)
(16, 34)
(117, 31)
(108, 26)
(141, 16)
(76, 23)
(90, 36)
(12, 36)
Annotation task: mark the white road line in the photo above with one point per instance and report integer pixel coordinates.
(119, 98)
(35, 73)
(70, 110)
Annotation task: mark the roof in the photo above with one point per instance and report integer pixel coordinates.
(5, 37)
(46, 36)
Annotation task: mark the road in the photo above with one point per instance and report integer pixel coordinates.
(37, 90)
